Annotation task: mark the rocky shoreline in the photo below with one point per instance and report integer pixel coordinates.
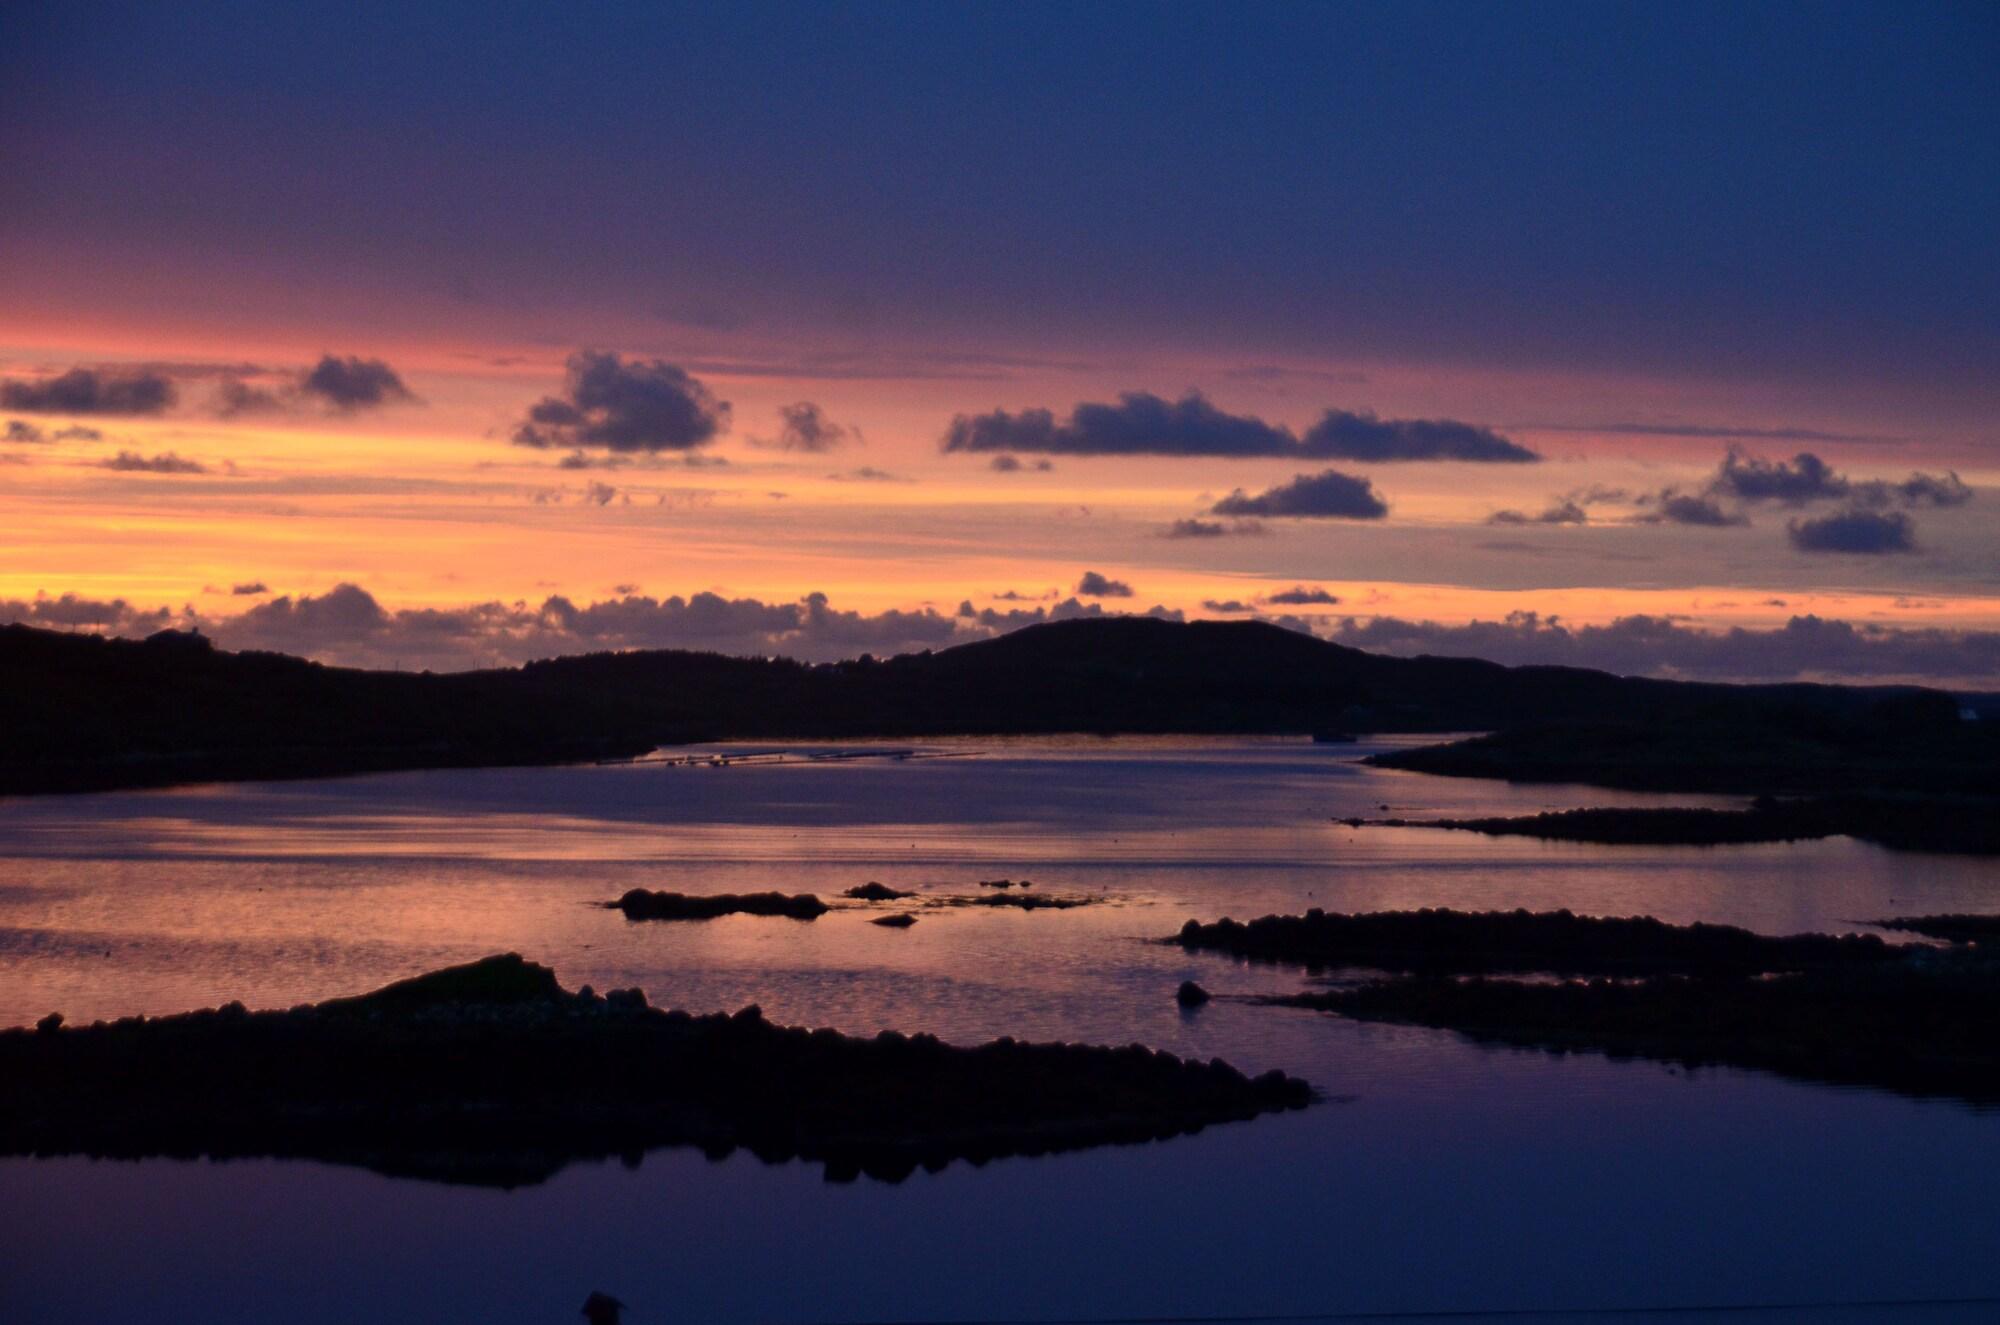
(491, 1073)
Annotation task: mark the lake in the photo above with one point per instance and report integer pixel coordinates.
(1438, 1177)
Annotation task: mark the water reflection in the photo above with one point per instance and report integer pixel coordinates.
(1458, 1178)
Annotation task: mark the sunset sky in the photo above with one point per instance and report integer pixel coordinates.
(1659, 338)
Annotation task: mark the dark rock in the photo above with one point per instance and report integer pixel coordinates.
(902, 920)
(872, 891)
(642, 904)
(601, 1309)
(1191, 995)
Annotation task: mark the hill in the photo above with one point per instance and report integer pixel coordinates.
(83, 712)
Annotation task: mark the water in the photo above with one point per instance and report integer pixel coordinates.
(1441, 1176)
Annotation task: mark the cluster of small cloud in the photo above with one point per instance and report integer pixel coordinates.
(1869, 524)
(1012, 464)
(992, 621)
(167, 462)
(612, 404)
(92, 391)
(1197, 528)
(344, 384)
(1808, 647)
(22, 432)
(1327, 495)
(805, 427)
(348, 626)
(1141, 423)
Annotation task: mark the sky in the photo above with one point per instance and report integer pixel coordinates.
(1659, 338)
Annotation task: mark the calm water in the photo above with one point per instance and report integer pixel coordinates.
(1443, 1177)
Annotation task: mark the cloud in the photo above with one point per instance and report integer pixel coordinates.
(1805, 478)
(1141, 423)
(1946, 489)
(615, 405)
(91, 391)
(22, 431)
(1093, 585)
(1225, 605)
(254, 588)
(868, 474)
(131, 462)
(600, 494)
(805, 427)
(1300, 596)
(78, 433)
(1329, 495)
(1010, 464)
(234, 396)
(69, 612)
(1561, 512)
(344, 384)
(352, 383)
(347, 624)
(1674, 507)
(1870, 533)
(1212, 529)
(1806, 647)
(1717, 431)
(1340, 435)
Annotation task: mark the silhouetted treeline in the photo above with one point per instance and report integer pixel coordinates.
(82, 712)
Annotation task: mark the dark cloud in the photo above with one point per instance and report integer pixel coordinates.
(1094, 585)
(79, 433)
(1011, 464)
(1340, 435)
(234, 396)
(1299, 596)
(1212, 529)
(1145, 424)
(1863, 532)
(347, 624)
(1671, 506)
(805, 427)
(1946, 489)
(253, 589)
(69, 612)
(1329, 495)
(600, 494)
(131, 462)
(868, 474)
(22, 431)
(91, 391)
(1225, 605)
(1069, 609)
(1804, 478)
(1805, 647)
(1561, 512)
(352, 383)
(616, 405)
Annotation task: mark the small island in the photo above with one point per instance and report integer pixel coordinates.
(1847, 1009)
(492, 1073)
